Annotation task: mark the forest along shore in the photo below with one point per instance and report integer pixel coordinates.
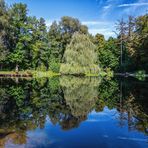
(67, 46)
(37, 74)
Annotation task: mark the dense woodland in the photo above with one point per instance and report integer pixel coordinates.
(26, 43)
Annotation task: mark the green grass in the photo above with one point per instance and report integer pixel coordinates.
(13, 72)
(40, 74)
(91, 75)
(31, 72)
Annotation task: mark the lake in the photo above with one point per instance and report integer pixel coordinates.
(73, 112)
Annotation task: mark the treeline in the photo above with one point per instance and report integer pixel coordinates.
(129, 51)
(26, 43)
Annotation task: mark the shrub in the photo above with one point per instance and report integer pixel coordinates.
(54, 66)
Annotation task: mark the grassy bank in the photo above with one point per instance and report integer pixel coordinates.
(39, 74)
(13, 72)
(28, 73)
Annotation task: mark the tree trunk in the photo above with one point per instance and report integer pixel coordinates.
(17, 68)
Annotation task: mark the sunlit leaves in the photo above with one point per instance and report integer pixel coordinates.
(80, 56)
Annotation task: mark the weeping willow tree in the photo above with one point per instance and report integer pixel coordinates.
(80, 94)
(80, 57)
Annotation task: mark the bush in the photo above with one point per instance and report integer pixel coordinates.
(54, 66)
(140, 75)
(78, 70)
(42, 67)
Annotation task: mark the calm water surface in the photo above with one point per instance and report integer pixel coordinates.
(72, 112)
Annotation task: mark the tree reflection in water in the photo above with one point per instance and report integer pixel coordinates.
(80, 95)
(67, 101)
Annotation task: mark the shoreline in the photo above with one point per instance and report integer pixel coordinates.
(39, 74)
(21, 74)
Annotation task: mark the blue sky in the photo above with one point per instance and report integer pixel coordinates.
(99, 15)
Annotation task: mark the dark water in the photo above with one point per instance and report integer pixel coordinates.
(69, 112)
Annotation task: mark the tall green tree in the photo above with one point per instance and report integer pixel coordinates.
(142, 37)
(138, 42)
(54, 38)
(60, 35)
(4, 30)
(80, 56)
(40, 44)
(19, 33)
(68, 26)
(108, 52)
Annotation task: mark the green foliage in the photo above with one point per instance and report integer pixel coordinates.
(54, 38)
(27, 43)
(140, 75)
(60, 35)
(79, 70)
(80, 56)
(133, 38)
(54, 66)
(79, 93)
(16, 57)
(108, 52)
(42, 74)
(4, 30)
(99, 40)
(108, 93)
(18, 94)
(19, 34)
(106, 73)
(67, 101)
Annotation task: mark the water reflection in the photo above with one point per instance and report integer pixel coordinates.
(29, 108)
(80, 95)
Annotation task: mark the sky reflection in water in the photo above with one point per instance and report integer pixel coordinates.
(74, 112)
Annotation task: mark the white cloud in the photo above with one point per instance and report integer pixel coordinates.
(88, 23)
(130, 9)
(95, 31)
(106, 32)
(107, 7)
(102, 27)
(133, 4)
(48, 23)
